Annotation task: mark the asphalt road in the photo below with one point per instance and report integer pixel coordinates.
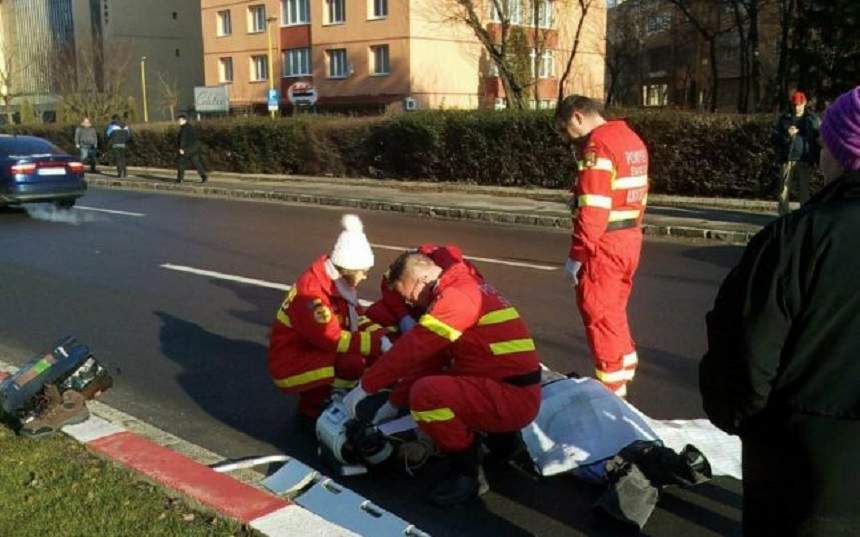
(190, 350)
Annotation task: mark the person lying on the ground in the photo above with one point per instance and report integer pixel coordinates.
(320, 340)
(468, 365)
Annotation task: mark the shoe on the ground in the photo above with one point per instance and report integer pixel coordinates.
(465, 481)
(58, 411)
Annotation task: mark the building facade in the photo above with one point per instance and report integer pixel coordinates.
(391, 53)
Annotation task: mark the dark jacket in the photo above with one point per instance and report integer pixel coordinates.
(783, 367)
(188, 140)
(86, 137)
(118, 134)
(801, 147)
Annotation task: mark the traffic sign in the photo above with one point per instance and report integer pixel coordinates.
(302, 94)
(274, 97)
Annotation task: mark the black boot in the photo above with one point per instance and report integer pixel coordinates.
(464, 482)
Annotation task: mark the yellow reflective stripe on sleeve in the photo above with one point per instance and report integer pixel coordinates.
(284, 318)
(644, 200)
(512, 346)
(305, 378)
(392, 329)
(603, 164)
(594, 200)
(615, 216)
(373, 328)
(439, 414)
(364, 348)
(499, 316)
(636, 181)
(439, 328)
(623, 375)
(344, 383)
(344, 341)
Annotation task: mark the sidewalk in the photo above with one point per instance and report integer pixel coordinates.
(727, 220)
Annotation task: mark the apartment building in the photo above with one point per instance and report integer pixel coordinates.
(390, 53)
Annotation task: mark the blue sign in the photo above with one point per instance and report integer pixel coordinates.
(274, 99)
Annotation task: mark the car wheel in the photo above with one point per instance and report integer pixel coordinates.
(65, 204)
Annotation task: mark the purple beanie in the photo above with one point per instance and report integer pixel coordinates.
(840, 129)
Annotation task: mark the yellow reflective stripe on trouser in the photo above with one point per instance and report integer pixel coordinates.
(364, 348)
(344, 341)
(615, 216)
(594, 200)
(635, 181)
(621, 391)
(512, 346)
(630, 360)
(284, 318)
(344, 383)
(305, 378)
(604, 164)
(439, 414)
(499, 316)
(623, 375)
(439, 328)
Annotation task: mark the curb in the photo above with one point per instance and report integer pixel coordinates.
(181, 467)
(441, 212)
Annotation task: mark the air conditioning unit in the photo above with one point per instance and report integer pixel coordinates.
(410, 104)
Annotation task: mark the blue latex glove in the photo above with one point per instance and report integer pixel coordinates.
(572, 268)
(406, 324)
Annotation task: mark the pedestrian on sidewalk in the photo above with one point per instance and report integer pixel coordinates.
(795, 138)
(190, 150)
(610, 195)
(118, 136)
(782, 368)
(87, 141)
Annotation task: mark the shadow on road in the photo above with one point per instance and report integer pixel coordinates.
(714, 215)
(724, 256)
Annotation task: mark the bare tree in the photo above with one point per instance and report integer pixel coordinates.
(92, 85)
(168, 93)
(584, 7)
(709, 32)
(10, 74)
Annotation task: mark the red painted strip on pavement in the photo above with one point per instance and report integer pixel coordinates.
(221, 492)
(4, 375)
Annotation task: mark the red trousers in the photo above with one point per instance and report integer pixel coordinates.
(312, 373)
(602, 295)
(451, 408)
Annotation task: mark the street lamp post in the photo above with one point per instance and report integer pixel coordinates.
(269, 22)
(143, 88)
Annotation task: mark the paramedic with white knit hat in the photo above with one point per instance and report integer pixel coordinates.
(320, 339)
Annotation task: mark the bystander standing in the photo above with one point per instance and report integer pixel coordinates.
(87, 141)
(795, 137)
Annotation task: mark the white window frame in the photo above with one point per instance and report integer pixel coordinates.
(375, 52)
(289, 8)
(259, 65)
(515, 11)
(253, 19)
(222, 17)
(223, 69)
(337, 58)
(297, 62)
(500, 104)
(547, 65)
(335, 12)
(546, 14)
(377, 9)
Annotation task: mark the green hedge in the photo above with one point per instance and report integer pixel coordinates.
(691, 154)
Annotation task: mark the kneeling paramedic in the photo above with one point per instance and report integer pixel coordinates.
(467, 366)
(320, 340)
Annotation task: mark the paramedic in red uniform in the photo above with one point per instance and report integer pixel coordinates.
(320, 340)
(469, 364)
(611, 193)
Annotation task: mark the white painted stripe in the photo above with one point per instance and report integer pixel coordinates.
(473, 258)
(109, 211)
(295, 520)
(92, 429)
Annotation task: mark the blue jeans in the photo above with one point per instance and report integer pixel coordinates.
(89, 154)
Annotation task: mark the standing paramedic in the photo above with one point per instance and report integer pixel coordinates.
(320, 340)
(469, 365)
(610, 193)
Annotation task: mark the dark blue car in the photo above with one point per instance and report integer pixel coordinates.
(35, 170)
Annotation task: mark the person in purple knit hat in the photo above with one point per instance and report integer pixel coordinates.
(782, 369)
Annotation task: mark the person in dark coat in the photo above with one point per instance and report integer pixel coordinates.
(782, 369)
(190, 150)
(118, 136)
(795, 138)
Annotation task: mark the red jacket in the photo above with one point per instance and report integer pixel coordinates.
(612, 188)
(482, 332)
(314, 315)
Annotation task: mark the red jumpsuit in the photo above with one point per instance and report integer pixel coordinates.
(469, 364)
(611, 194)
(314, 344)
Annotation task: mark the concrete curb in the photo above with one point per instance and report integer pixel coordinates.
(181, 467)
(442, 212)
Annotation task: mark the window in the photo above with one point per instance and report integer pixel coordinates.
(655, 95)
(225, 23)
(547, 65)
(500, 103)
(256, 19)
(545, 14)
(295, 12)
(225, 70)
(177, 53)
(335, 11)
(175, 15)
(380, 60)
(259, 68)
(514, 10)
(657, 22)
(337, 67)
(546, 104)
(379, 9)
(297, 62)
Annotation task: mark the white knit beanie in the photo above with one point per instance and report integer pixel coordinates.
(352, 251)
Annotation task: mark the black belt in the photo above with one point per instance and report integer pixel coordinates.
(527, 379)
(622, 224)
